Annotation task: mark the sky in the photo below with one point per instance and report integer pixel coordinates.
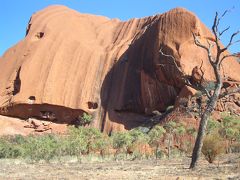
(15, 14)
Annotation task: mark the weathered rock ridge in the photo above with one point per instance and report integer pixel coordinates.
(69, 63)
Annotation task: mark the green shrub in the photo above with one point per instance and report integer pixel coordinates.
(138, 136)
(212, 147)
(136, 143)
(212, 126)
(230, 126)
(230, 129)
(122, 141)
(139, 140)
(85, 119)
(96, 141)
(76, 142)
(180, 130)
(12, 146)
(170, 126)
(191, 131)
(156, 134)
(9, 149)
(41, 147)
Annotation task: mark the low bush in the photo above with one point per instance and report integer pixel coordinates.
(156, 134)
(121, 142)
(41, 147)
(212, 147)
(139, 144)
(9, 149)
(213, 126)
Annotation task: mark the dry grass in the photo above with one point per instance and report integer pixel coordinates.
(227, 167)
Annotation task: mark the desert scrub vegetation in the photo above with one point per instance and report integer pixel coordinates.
(228, 128)
(77, 142)
(222, 136)
(84, 119)
(212, 147)
(170, 140)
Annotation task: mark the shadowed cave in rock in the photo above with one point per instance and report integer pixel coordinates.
(54, 113)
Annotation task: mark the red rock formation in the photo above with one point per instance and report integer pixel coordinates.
(69, 63)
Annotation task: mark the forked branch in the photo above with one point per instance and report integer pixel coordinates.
(231, 41)
(229, 55)
(197, 86)
(208, 49)
(236, 90)
(173, 59)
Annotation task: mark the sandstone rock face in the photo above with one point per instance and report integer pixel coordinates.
(70, 63)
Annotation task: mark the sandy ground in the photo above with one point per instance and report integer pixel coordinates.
(227, 168)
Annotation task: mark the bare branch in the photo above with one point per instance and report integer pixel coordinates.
(224, 13)
(227, 11)
(206, 92)
(197, 42)
(215, 30)
(202, 76)
(210, 57)
(201, 87)
(215, 23)
(224, 76)
(236, 90)
(232, 37)
(221, 33)
(208, 49)
(186, 80)
(231, 41)
(217, 34)
(173, 58)
(227, 56)
(198, 87)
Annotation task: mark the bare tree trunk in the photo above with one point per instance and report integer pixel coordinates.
(170, 139)
(156, 152)
(199, 141)
(216, 63)
(204, 120)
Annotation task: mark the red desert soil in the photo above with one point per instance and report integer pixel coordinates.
(228, 168)
(70, 62)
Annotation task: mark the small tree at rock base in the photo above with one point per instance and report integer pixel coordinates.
(121, 142)
(170, 128)
(215, 59)
(155, 138)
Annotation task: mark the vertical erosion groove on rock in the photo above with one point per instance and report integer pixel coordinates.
(17, 83)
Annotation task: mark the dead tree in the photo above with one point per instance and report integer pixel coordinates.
(216, 55)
